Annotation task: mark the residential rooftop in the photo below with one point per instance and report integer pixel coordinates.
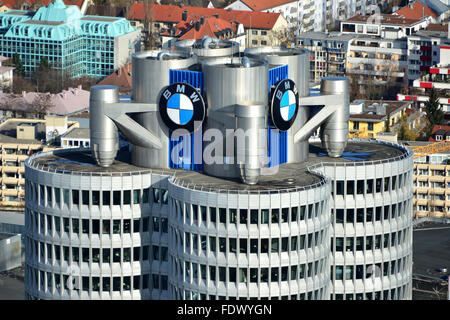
(384, 19)
(173, 14)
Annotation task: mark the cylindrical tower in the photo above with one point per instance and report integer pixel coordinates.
(151, 73)
(371, 211)
(89, 232)
(268, 241)
(228, 82)
(297, 60)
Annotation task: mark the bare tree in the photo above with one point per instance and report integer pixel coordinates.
(42, 103)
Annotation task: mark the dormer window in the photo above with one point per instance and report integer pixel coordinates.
(438, 137)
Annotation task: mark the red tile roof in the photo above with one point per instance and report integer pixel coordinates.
(417, 11)
(258, 5)
(211, 27)
(12, 3)
(436, 128)
(120, 78)
(171, 13)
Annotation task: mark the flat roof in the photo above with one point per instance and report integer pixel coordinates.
(78, 133)
(431, 245)
(43, 22)
(8, 131)
(102, 19)
(289, 176)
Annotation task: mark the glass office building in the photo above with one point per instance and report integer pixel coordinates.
(79, 45)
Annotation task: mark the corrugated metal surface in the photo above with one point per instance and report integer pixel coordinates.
(277, 146)
(185, 148)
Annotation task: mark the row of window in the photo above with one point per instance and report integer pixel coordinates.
(47, 252)
(195, 214)
(48, 196)
(369, 215)
(367, 271)
(51, 282)
(193, 295)
(352, 187)
(47, 224)
(227, 274)
(370, 243)
(393, 294)
(215, 244)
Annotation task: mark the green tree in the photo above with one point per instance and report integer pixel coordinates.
(435, 115)
(17, 62)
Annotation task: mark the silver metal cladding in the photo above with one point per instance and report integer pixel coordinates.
(207, 47)
(334, 131)
(251, 148)
(298, 62)
(151, 73)
(103, 131)
(227, 82)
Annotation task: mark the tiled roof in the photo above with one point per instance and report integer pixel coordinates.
(212, 27)
(171, 13)
(120, 78)
(384, 19)
(416, 11)
(437, 27)
(11, 3)
(438, 129)
(258, 5)
(66, 102)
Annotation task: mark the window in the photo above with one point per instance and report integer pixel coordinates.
(356, 125)
(370, 126)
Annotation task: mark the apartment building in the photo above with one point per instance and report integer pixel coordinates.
(368, 117)
(19, 139)
(311, 15)
(379, 53)
(328, 53)
(435, 76)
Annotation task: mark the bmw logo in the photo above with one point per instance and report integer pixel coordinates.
(284, 104)
(181, 107)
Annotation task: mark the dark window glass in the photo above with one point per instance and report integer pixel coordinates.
(254, 216)
(85, 197)
(253, 245)
(243, 245)
(106, 198)
(275, 215)
(243, 216)
(222, 215)
(116, 198)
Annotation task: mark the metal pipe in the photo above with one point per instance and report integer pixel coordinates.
(334, 131)
(103, 131)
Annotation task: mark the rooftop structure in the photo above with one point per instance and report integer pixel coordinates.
(74, 40)
(416, 10)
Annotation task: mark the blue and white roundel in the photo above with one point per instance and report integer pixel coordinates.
(180, 109)
(288, 105)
